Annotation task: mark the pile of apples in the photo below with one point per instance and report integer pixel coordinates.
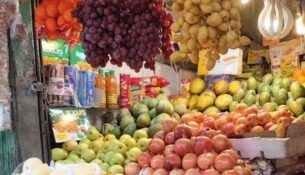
(184, 149)
(110, 153)
(249, 119)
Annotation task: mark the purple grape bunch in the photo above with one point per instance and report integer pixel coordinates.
(130, 31)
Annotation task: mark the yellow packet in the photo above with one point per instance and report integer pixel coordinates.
(202, 67)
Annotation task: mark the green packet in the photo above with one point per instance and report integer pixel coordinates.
(77, 54)
(69, 123)
(58, 49)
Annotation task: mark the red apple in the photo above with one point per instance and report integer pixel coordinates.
(264, 117)
(171, 162)
(183, 146)
(182, 131)
(169, 125)
(157, 161)
(169, 138)
(240, 129)
(268, 125)
(156, 146)
(186, 118)
(209, 122)
(169, 149)
(189, 161)
(253, 119)
(257, 129)
(241, 120)
(202, 144)
(250, 110)
(240, 107)
(144, 159)
(220, 122)
(228, 129)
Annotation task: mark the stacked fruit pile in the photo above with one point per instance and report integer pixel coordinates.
(183, 151)
(109, 153)
(55, 21)
(133, 32)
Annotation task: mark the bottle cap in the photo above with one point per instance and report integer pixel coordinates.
(111, 72)
(101, 71)
(106, 73)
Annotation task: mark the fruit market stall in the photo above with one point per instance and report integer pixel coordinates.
(118, 100)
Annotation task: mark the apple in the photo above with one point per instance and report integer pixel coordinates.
(241, 120)
(85, 140)
(128, 141)
(70, 145)
(126, 161)
(250, 110)
(109, 137)
(134, 153)
(257, 129)
(169, 138)
(117, 146)
(116, 159)
(253, 119)
(104, 167)
(268, 125)
(209, 122)
(233, 117)
(169, 125)
(274, 116)
(182, 131)
(96, 161)
(143, 144)
(108, 156)
(182, 147)
(144, 159)
(284, 120)
(80, 161)
(96, 145)
(156, 146)
(73, 157)
(58, 154)
(81, 148)
(228, 129)
(264, 117)
(240, 129)
(93, 133)
(88, 155)
(202, 144)
(116, 169)
(100, 155)
(140, 134)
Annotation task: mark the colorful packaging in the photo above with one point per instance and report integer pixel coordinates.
(111, 90)
(151, 81)
(85, 91)
(100, 90)
(125, 101)
(55, 81)
(185, 86)
(70, 97)
(55, 52)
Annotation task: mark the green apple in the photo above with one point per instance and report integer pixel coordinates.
(104, 167)
(128, 141)
(117, 159)
(143, 120)
(59, 154)
(73, 157)
(96, 145)
(100, 155)
(85, 140)
(118, 147)
(70, 145)
(88, 155)
(126, 161)
(109, 137)
(143, 144)
(105, 146)
(81, 148)
(67, 161)
(127, 120)
(108, 156)
(140, 134)
(80, 161)
(93, 133)
(116, 169)
(96, 161)
(134, 153)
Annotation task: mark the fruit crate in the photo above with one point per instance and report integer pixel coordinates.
(287, 154)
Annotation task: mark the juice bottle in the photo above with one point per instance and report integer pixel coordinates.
(111, 90)
(100, 90)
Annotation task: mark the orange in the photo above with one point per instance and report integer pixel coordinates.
(301, 79)
(61, 21)
(51, 24)
(77, 26)
(64, 5)
(52, 10)
(68, 16)
(41, 12)
(39, 22)
(74, 34)
(297, 73)
(52, 36)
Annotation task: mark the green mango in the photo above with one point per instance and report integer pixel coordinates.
(277, 81)
(267, 79)
(285, 83)
(295, 107)
(250, 99)
(270, 107)
(281, 97)
(297, 90)
(264, 97)
(239, 95)
(252, 84)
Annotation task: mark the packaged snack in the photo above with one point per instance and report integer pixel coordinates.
(125, 91)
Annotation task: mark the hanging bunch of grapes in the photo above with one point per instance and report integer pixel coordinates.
(130, 31)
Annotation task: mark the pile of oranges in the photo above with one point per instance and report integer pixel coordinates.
(55, 21)
(299, 75)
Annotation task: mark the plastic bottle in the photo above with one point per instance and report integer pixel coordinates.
(111, 90)
(100, 90)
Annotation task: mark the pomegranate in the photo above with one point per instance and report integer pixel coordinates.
(182, 147)
(169, 125)
(182, 131)
(156, 146)
(132, 168)
(253, 119)
(209, 122)
(228, 129)
(186, 118)
(192, 171)
(224, 162)
(169, 138)
(160, 172)
(202, 144)
(172, 161)
(169, 149)
(157, 162)
(144, 159)
(220, 142)
(210, 172)
(189, 161)
(176, 172)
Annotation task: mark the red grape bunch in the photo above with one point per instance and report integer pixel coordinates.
(130, 31)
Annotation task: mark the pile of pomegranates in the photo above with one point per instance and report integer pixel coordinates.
(187, 149)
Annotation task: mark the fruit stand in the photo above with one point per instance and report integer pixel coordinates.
(168, 87)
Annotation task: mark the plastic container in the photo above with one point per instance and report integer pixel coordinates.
(111, 90)
(100, 90)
